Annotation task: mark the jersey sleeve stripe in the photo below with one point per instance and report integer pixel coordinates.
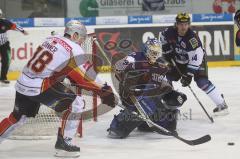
(194, 67)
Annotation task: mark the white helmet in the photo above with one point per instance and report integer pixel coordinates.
(75, 26)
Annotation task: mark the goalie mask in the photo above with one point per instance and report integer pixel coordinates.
(152, 50)
(76, 30)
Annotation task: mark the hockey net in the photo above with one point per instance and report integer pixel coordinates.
(46, 122)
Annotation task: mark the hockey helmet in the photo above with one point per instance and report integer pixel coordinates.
(183, 18)
(237, 18)
(75, 26)
(152, 49)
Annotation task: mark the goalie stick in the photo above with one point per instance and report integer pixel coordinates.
(200, 103)
(143, 116)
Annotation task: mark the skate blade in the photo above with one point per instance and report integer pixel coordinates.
(66, 154)
(222, 113)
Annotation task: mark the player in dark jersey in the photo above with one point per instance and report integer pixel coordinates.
(182, 45)
(237, 21)
(145, 69)
(5, 50)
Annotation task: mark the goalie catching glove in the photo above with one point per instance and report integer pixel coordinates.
(107, 96)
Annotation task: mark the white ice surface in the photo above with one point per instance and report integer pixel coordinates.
(95, 144)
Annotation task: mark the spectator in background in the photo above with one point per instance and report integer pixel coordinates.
(237, 21)
(153, 5)
(5, 50)
(40, 9)
(224, 6)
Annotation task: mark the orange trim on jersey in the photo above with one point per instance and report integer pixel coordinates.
(80, 78)
(56, 77)
(45, 85)
(75, 74)
(13, 27)
(63, 44)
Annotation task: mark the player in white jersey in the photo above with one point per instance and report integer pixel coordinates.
(58, 57)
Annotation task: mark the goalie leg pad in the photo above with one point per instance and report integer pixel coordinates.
(123, 124)
(149, 104)
(166, 119)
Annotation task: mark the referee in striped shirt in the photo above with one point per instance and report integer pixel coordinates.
(5, 50)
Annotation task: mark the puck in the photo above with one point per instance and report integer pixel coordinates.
(231, 143)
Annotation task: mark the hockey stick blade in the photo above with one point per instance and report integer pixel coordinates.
(194, 142)
(198, 141)
(199, 102)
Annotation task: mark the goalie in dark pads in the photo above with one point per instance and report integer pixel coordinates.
(145, 72)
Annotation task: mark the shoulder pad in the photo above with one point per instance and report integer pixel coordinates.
(170, 34)
(193, 40)
(193, 43)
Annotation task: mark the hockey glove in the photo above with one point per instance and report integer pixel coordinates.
(186, 80)
(107, 96)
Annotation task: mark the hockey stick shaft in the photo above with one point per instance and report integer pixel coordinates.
(200, 103)
(102, 51)
(157, 128)
(194, 94)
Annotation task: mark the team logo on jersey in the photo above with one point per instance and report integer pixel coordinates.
(183, 45)
(180, 99)
(193, 42)
(125, 62)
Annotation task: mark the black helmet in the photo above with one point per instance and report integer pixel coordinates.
(183, 18)
(237, 17)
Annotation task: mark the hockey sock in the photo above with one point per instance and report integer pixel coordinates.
(8, 125)
(70, 123)
(216, 96)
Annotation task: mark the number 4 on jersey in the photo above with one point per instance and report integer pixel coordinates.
(194, 58)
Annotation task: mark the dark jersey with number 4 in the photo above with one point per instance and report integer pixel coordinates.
(186, 50)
